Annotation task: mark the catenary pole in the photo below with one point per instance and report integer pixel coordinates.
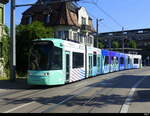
(123, 39)
(97, 30)
(12, 42)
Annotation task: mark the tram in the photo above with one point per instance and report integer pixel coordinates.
(56, 62)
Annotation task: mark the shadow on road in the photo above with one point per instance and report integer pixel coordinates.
(100, 100)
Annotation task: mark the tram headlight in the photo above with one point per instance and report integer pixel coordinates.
(46, 74)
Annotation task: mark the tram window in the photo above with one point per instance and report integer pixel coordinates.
(77, 60)
(117, 61)
(128, 60)
(45, 57)
(106, 60)
(98, 61)
(136, 61)
(121, 60)
(112, 60)
(57, 59)
(94, 60)
(117, 58)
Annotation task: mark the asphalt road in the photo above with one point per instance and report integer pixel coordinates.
(120, 92)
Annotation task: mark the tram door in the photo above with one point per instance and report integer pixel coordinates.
(98, 64)
(67, 66)
(90, 65)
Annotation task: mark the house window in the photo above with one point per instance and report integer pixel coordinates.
(47, 18)
(59, 34)
(66, 35)
(78, 35)
(30, 19)
(70, 35)
(75, 36)
(90, 40)
(1, 15)
(81, 38)
(83, 21)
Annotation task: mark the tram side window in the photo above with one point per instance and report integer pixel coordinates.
(128, 60)
(77, 60)
(121, 60)
(98, 62)
(106, 60)
(136, 61)
(57, 59)
(112, 60)
(94, 60)
(117, 60)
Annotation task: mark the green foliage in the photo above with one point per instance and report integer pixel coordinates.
(100, 45)
(24, 35)
(4, 1)
(5, 51)
(115, 44)
(132, 44)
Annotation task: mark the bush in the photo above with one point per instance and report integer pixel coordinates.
(5, 51)
(100, 45)
(132, 44)
(115, 44)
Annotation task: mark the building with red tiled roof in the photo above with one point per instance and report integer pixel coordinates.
(69, 21)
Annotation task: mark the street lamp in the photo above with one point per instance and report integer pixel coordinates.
(97, 25)
(123, 39)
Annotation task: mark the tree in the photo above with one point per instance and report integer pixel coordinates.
(5, 50)
(132, 44)
(4, 1)
(24, 35)
(100, 45)
(115, 44)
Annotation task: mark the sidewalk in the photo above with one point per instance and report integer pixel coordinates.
(16, 85)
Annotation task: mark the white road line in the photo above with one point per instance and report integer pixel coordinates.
(18, 107)
(81, 84)
(76, 94)
(125, 106)
(3, 90)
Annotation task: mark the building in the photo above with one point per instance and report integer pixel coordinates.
(140, 36)
(70, 22)
(2, 32)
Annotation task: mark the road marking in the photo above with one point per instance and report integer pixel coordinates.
(125, 106)
(106, 83)
(3, 90)
(18, 107)
(58, 104)
(81, 84)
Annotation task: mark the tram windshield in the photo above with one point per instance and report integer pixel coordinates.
(45, 57)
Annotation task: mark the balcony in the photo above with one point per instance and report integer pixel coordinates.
(86, 27)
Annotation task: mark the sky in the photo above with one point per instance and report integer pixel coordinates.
(130, 14)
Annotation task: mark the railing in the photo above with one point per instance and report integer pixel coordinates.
(85, 27)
